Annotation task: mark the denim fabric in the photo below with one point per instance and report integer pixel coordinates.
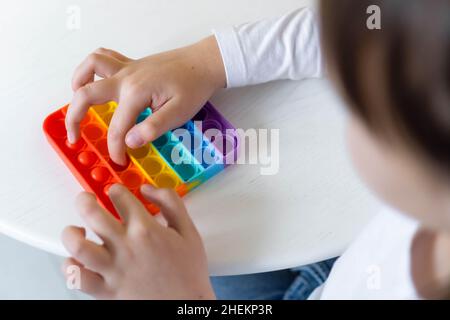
(309, 278)
(291, 284)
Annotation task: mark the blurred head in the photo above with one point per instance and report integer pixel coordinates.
(396, 82)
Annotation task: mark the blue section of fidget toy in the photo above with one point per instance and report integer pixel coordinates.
(208, 170)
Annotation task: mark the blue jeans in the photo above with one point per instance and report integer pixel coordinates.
(291, 284)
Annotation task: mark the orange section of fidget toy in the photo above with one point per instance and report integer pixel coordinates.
(105, 172)
(93, 171)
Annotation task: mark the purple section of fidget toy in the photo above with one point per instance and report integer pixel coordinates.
(209, 112)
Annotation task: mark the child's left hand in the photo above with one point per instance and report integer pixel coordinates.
(139, 258)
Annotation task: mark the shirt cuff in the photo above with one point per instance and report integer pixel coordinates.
(232, 56)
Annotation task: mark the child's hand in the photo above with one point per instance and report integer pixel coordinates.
(175, 84)
(140, 258)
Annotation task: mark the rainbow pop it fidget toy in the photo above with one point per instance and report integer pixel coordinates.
(180, 159)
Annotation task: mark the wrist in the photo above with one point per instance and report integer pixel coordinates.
(211, 58)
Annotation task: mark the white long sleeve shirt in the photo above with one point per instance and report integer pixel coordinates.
(377, 263)
(283, 48)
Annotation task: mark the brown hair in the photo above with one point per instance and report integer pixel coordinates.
(397, 78)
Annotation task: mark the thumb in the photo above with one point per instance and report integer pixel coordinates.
(169, 116)
(172, 208)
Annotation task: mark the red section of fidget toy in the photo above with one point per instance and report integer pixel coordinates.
(89, 161)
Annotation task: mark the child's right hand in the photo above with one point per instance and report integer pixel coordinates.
(139, 258)
(175, 84)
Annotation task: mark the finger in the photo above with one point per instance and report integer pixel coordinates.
(83, 279)
(169, 116)
(97, 92)
(122, 120)
(113, 54)
(99, 220)
(129, 207)
(172, 208)
(104, 66)
(90, 254)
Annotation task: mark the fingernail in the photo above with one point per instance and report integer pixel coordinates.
(147, 188)
(134, 140)
(121, 163)
(71, 137)
(113, 187)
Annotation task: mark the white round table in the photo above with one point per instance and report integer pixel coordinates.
(249, 222)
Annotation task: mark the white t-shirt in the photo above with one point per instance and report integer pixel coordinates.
(377, 264)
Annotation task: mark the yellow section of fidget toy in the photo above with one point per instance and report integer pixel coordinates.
(146, 158)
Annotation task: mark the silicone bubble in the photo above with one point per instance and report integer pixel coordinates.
(79, 145)
(93, 131)
(209, 156)
(211, 124)
(100, 174)
(140, 153)
(117, 167)
(165, 180)
(153, 165)
(172, 152)
(132, 179)
(87, 158)
(102, 108)
(186, 170)
(161, 141)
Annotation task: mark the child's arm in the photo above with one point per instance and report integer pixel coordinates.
(140, 258)
(177, 83)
